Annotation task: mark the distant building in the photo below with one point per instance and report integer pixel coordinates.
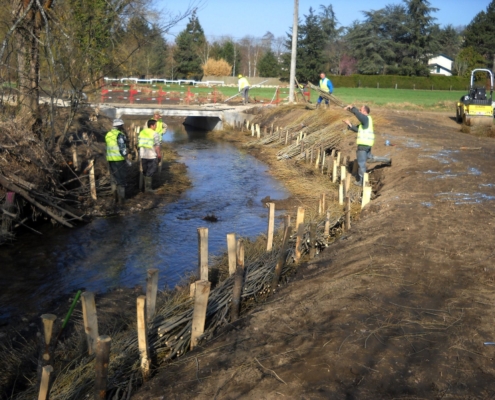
(440, 65)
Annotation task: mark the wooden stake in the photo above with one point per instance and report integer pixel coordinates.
(247, 124)
(334, 171)
(258, 131)
(203, 254)
(366, 196)
(231, 250)
(199, 312)
(338, 157)
(252, 130)
(332, 154)
(323, 161)
(238, 283)
(101, 366)
(312, 240)
(151, 292)
(281, 257)
(366, 179)
(300, 232)
(90, 320)
(343, 173)
(286, 221)
(45, 382)
(286, 137)
(92, 179)
(75, 162)
(327, 224)
(317, 163)
(271, 226)
(323, 202)
(347, 183)
(347, 224)
(48, 320)
(319, 206)
(341, 193)
(142, 331)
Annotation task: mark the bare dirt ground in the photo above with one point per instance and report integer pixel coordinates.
(398, 308)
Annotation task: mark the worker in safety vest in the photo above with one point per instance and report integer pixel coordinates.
(244, 89)
(117, 152)
(149, 152)
(326, 86)
(161, 127)
(365, 140)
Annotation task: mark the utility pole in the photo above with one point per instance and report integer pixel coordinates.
(294, 52)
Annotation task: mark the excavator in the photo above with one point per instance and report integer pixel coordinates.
(476, 108)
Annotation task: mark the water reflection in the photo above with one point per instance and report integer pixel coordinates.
(114, 252)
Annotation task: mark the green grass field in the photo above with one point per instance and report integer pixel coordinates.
(435, 100)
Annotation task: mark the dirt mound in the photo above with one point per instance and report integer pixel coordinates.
(398, 307)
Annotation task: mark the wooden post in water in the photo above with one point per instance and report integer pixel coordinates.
(151, 292)
(327, 224)
(101, 366)
(300, 232)
(75, 162)
(271, 226)
(92, 179)
(90, 320)
(142, 331)
(347, 224)
(231, 251)
(281, 257)
(199, 312)
(203, 254)
(45, 382)
(238, 283)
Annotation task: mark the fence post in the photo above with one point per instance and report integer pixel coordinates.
(45, 382)
(199, 312)
(151, 292)
(101, 366)
(238, 282)
(203, 254)
(366, 196)
(92, 179)
(347, 213)
(231, 251)
(48, 320)
(281, 258)
(300, 232)
(90, 320)
(142, 331)
(271, 226)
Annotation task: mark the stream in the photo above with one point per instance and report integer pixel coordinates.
(116, 252)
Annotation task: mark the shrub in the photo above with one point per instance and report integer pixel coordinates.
(214, 67)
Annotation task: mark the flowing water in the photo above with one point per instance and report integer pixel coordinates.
(116, 252)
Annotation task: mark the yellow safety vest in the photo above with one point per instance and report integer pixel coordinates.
(146, 138)
(366, 137)
(113, 152)
(243, 82)
(159, 126)
(324, 85)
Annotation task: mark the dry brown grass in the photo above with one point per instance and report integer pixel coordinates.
(214, 67)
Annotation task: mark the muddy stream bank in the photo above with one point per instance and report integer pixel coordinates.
(116, 252)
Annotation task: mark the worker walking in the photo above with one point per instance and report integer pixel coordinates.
(326, 86)
(244, 89)
(365, 140)
(117, 152)
(149, 152)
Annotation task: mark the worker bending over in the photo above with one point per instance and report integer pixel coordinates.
(149, 152)
(244, 89)
(365, 140)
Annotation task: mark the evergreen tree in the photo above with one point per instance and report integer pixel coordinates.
(189, 54)
(268, 65)
(420, 41)
(480, 34)
(310, 45)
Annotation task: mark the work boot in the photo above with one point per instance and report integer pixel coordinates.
(147, 184)
(358, 182)
(121, 194)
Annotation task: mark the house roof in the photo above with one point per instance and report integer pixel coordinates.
(435, 65)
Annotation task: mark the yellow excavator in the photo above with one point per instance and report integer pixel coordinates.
(476, 108)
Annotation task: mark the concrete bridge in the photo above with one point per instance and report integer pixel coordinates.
(207, 117)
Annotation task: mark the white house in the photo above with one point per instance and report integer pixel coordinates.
(441, 65)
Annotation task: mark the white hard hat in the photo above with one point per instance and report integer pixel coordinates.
(117, 122)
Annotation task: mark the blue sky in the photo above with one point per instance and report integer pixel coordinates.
(238, 18)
